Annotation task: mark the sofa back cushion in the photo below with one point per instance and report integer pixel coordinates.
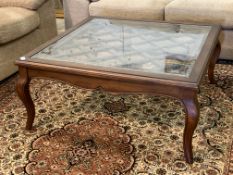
(201, 11)
(129, 9)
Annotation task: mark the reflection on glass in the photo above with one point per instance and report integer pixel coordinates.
(134, 46)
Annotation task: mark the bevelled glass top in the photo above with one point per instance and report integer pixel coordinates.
(147, 47)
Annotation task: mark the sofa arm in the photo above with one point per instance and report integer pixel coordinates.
(29, 4)
(75, 11)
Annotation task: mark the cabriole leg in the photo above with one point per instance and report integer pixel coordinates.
(192, 115)
(212, 63)
(22, 88)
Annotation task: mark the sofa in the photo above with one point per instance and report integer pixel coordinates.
(190, 11)
(24, 25)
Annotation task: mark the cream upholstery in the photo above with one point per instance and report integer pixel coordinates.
(201, 11)
(13, 49)
(197, 11)
(16, 22)
(30, 4)
(75, 11)
(226, 39)
(129, 9)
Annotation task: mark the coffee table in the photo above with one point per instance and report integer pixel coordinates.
(123, 56)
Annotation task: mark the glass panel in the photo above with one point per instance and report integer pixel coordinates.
(137, 46)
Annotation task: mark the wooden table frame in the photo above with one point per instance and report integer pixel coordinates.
(125, 83)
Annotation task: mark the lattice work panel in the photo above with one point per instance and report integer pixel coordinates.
(141, 46)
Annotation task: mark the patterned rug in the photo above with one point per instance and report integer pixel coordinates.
(84, 132)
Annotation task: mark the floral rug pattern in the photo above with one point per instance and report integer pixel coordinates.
(142, 134)
(89, 147)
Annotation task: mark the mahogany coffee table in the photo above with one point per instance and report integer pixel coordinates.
(128, 57)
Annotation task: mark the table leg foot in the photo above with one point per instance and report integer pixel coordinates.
(22, 88)
(212, 63)
(192, 110)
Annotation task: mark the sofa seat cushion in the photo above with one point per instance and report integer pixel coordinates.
(29, 4)
(16, 22)
(201, 11)
(129, 9)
